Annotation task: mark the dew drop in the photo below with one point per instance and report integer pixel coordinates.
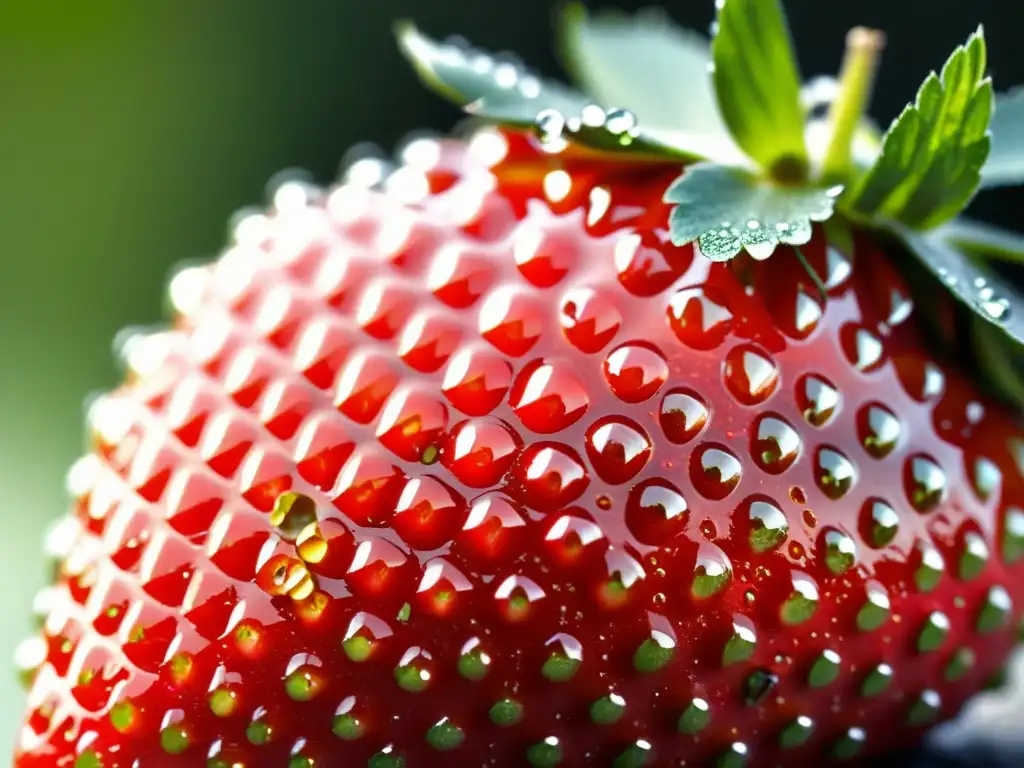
(656, 512)
(683, 415)
(925, 482)
(635, 371)
(712, 572)
(862, 347)
(817, 398)
(878, 429)
(808, 313)
(839, 552)
(837, 268)
(750, 375)
(995, 308)
(617, 448)
(699, 317)
(834, 473)
(775, 445)
(714, 471)
(879, 523)
(768, 525)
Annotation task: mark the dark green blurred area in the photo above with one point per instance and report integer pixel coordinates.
(130, 131)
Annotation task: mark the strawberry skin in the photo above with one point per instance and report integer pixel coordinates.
(479, 469)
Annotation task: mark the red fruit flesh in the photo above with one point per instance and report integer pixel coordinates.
(481, 470)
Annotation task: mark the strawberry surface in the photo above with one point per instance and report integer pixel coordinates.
(477, 468)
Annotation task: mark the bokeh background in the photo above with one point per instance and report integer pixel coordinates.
(130, 131)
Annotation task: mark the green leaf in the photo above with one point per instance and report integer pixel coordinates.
(933, 153)
(984, 240)
(1005, 166)
(757, 83)
(987, 295)
(630, 61)
(501, 90)
(727, 210)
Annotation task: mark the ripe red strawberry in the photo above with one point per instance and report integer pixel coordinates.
(480, 469)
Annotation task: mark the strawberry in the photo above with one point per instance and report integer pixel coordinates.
(486, 464)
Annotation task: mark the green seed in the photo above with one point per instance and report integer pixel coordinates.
(934, 633)
(734, 757)
(300, 761)
(758, 686)
(768, 527)
(445, 735)
(929, 572)
(925, 709)
(849, 745)
(960, 663)
(741, 644)
(707, 583)
(411, 678)
(259, 732)
(222, 702)
(347, 727)
(636, 756)
(559, 667)
(875, 611)
(884, 525)
(474, 664)
(876, 681)
(302, 684)
(404, 613)
(607, 709)
(545, 754)
(88, 759)
(122, 716)
(695, 717)
(386, 758)
(357, 648)
(995, 613)
(652, 656)
(506, 712)
(974, 557)
(796, 733)
(1013, 535)
(840, 552)
(801, 604)
(174, 739)
(824, 670)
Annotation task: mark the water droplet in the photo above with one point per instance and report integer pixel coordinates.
(635, 371)
(929, 568)
(655, 512)
(995, 308)
(879, 429)
(802, 602)
(837, 268)
(925, 482)
(547, 396)
(742, 642)
(699, 317)
(549, 128)
(712, 572)
(557, 184)
(834, 473)
(775, 445)
(974, 555)
(600, 201)
(808, 313)
(1013, 535)
(879, 523)
(986, 478)
(839, 552)
(768, 525)
(817, 398)
(862, 347)
(683, 415)
(900, 308)
(589, 319)
(750, 375)
(714, 471)
(876, 608)
(618, 449)
(758, 686)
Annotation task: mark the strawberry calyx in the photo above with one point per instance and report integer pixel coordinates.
(760, 168)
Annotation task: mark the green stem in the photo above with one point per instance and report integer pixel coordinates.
(863, 50)
(811, 273)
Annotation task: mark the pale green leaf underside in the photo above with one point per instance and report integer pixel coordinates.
(727, 210)
(990, 297)
(984, 240)
(501, 90)
(1005, 165)
(933, 153)
(644, 63)
(757, 82)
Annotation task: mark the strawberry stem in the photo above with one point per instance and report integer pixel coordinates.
(863, 50)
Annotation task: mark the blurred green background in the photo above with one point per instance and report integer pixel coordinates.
(130, 131)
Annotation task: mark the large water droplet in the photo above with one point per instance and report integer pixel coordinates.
(862, 347)
(925, 482)
(776, 444)
(547, 396)
(808, 313)
(878, 429)
(699, 317)
(750, 374)
(995, 308)
(834, 473)
(817, 398)
(618, 448)
(683, 415)
(635, 371)
(838, 551)
(655, 512)
(589, 319)
(879, 523)
(768, 525)
(714, 471)
(711, 573)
